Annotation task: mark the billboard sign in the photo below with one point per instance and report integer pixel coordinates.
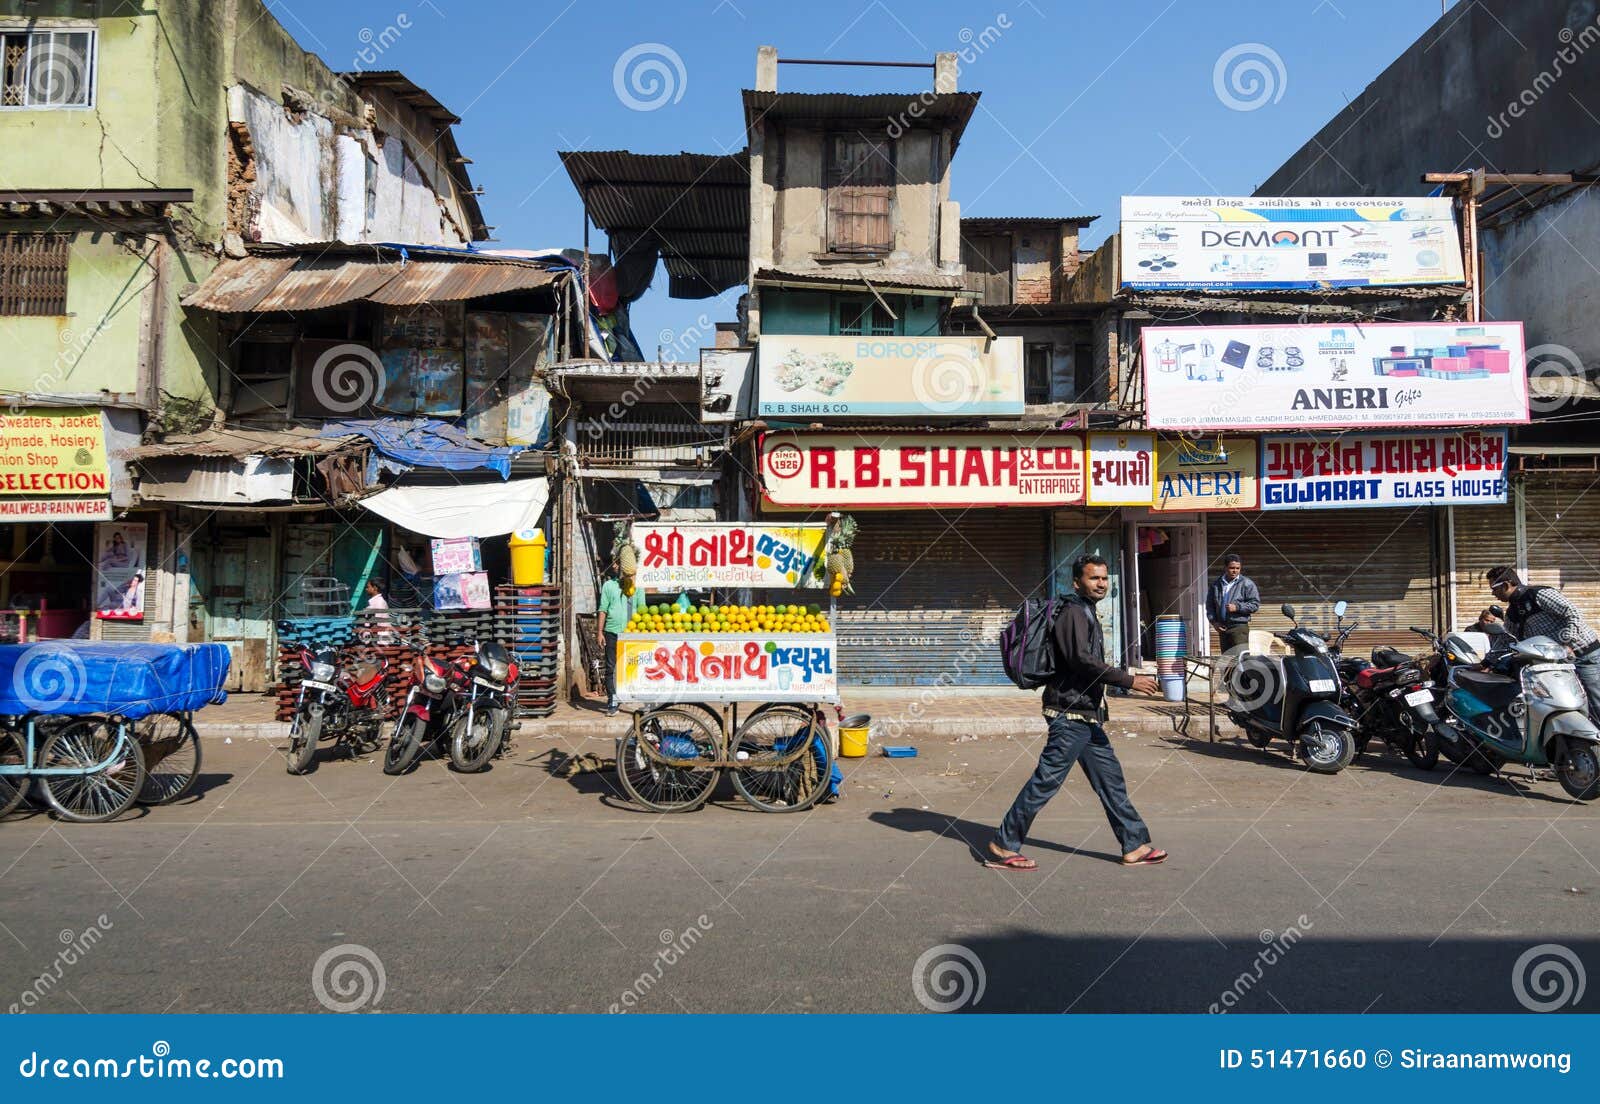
(1214, 473)
(1278, 242)
(1457, 468)
(889, 377)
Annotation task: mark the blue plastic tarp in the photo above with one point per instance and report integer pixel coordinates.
(426, 443)
(77, 678)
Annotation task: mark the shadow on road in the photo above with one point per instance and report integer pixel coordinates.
(975, 836)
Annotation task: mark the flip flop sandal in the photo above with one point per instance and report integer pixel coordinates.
(1149, 858)
(1012, 862)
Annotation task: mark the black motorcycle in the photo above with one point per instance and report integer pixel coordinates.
(467, 704)
(1295, 697)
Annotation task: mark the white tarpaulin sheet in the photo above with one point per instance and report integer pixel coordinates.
(469, 510)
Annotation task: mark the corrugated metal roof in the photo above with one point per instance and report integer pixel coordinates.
(930, 281)
(952, 108)
(240, 442)
(295, 281)
(997, 222)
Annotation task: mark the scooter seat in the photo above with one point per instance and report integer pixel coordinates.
(1370, 677)
(1385, 656)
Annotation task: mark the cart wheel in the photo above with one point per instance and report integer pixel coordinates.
(768, 737)
(671, 732)
(91, 798)
(171, 749)
(472, 748)
(13, 787)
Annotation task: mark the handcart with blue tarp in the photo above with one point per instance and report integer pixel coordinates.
(690, 665)
(102, 726)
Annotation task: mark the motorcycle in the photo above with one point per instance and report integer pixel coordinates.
(342, 702)
(467, 703)
(1518, 702)
(1390, 697)
(1295, 697)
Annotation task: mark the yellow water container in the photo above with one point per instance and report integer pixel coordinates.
(527, 557)
(853, 734)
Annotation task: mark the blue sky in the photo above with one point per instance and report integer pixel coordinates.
(1082, 102)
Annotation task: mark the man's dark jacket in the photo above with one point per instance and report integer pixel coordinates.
(1245, 596)
(1081, 670)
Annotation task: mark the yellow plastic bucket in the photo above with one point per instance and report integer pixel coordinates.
(853, 733)
(527, 557)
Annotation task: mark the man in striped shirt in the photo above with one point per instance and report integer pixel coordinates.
(1545, 611)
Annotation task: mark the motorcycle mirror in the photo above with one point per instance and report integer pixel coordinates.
(1287, 610)
(1339, 607)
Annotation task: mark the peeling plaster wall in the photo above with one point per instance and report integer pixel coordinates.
(294, 185)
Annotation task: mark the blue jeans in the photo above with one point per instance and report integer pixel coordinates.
(1588, 669)
(1071, 739)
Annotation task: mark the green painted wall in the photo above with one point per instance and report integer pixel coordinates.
(787, 311)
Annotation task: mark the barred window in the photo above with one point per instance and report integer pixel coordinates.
(33, 273)
(40, 69)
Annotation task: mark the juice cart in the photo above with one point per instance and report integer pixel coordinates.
(729, 685)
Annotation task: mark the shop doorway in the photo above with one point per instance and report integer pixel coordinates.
(1169, 580)
(230, 602)
(47, 581)
(1104, 541)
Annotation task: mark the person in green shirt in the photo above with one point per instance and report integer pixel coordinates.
(615, 610)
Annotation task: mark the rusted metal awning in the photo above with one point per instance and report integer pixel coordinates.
(234, 443)
(300, 282)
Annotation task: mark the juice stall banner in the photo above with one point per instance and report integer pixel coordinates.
(1122, 469)
(819, 375)
(715, 554)
(922, 469)
(1347, 376)
(53, 452)
(1286, 242)
(121, 559)
(1211, 473)
(1467, 467)
(757, 667)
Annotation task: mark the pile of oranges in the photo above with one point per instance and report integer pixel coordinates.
(729, 619)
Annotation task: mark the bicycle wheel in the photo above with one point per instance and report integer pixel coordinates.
(672, 732)
(171, 750)
(770, 776)
(92, 798)
(472, 746)
(13, 787)
(405, 744)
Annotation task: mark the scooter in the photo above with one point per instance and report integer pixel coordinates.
(1295, 697)
(1391, 699)
(338, 701)
(1520, 703)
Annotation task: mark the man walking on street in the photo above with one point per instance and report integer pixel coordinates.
(1073, 706)
(1545, 611)
(1230, 601)
(615, 610)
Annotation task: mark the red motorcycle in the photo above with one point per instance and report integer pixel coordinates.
(469, 703)
(343, 702)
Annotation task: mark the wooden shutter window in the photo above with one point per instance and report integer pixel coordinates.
(33, 273)
(860, 194)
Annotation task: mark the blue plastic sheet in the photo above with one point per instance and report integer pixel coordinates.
(134, 680)
(426, 443)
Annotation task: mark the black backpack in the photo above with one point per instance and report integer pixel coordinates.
(1027, 645)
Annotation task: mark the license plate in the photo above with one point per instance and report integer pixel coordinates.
(1321, 686)
(1419, 697)
(486, 683)
(309, 685)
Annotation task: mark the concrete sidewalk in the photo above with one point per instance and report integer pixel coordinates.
(900, 715)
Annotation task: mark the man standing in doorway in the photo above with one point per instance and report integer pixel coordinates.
(1545, 611)
(1074, 708)
(1230, 601)
(615, 610)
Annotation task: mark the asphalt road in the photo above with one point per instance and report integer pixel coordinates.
(1382, 889)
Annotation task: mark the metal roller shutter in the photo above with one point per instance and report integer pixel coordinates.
(1382, 562)
(1485, 537)
(1562, 522)
(932, 591)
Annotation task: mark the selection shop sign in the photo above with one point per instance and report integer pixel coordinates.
(818, 375)
(1212, 473)
(1199, 378)
(761, 667)
(53, 465)
(1286, 242)
(1462, 468)
(920, 469)
(1122, 469)
(697, 555)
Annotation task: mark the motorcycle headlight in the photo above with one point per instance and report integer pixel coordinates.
(433, 683)
(323, 672)
(495, 669)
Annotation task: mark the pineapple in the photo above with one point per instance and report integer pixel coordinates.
(841, 561)
(628, 559)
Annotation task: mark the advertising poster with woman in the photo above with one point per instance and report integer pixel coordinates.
(119, 570)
